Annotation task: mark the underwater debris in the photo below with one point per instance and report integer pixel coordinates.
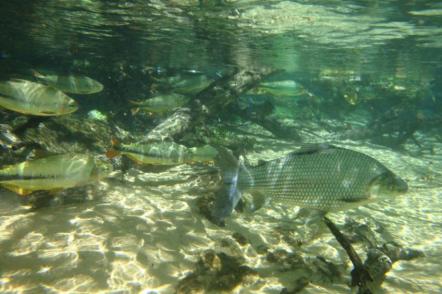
(240, 238)
(35, 99)
(70, 134)
(174, 125)
(53, 173)
(225, 91)
(214, 272)
(97, 115)
(360, 275)
(73, 84)
(396, 126)
(381, 254)
(8, 139)
(222, 95)
(285, 260)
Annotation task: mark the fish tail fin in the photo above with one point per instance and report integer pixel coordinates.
(36, 73)
(17, 190)
(113, 152)
(228, 196)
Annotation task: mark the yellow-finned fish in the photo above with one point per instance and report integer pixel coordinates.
(74, 84)
(162, 103)
(163, 153)
(35, 99)
(54, 172)
(188, 85)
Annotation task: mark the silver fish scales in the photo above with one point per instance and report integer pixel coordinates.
(319, 176)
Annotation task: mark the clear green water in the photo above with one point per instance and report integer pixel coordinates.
(367, 77)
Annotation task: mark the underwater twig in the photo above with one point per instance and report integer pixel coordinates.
(359, 275)
(32, 122)
(223, 92)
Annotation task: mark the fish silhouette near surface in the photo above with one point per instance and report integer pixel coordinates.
(319, 176)
(73, 84)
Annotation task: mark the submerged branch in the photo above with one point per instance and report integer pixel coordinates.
(174, 125)
(359, 275)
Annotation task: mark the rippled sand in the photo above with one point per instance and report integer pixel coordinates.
(145, 234)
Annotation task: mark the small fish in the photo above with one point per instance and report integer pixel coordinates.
(162, 153)
(35, 99)
(73, 84)
(187, 84)
(284, 88)
(53, 173)
(320, 176)
(192, 85)
(97, 115)
(351, 97)
(161, 103)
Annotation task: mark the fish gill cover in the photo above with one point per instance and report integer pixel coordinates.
(115, 117)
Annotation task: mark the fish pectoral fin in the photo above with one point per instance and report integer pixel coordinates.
(18, 190)
(48, 112)
(111, 153)
(259, 200)
(353, 199)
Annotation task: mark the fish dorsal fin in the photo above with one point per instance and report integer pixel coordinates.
(313, 148)
(136, 102)
(306, 149)
(261, 162)
(37, 74)
(245, 160)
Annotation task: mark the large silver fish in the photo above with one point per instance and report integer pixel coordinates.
(322, 177)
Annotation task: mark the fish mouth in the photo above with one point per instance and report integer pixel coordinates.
(401, 185)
